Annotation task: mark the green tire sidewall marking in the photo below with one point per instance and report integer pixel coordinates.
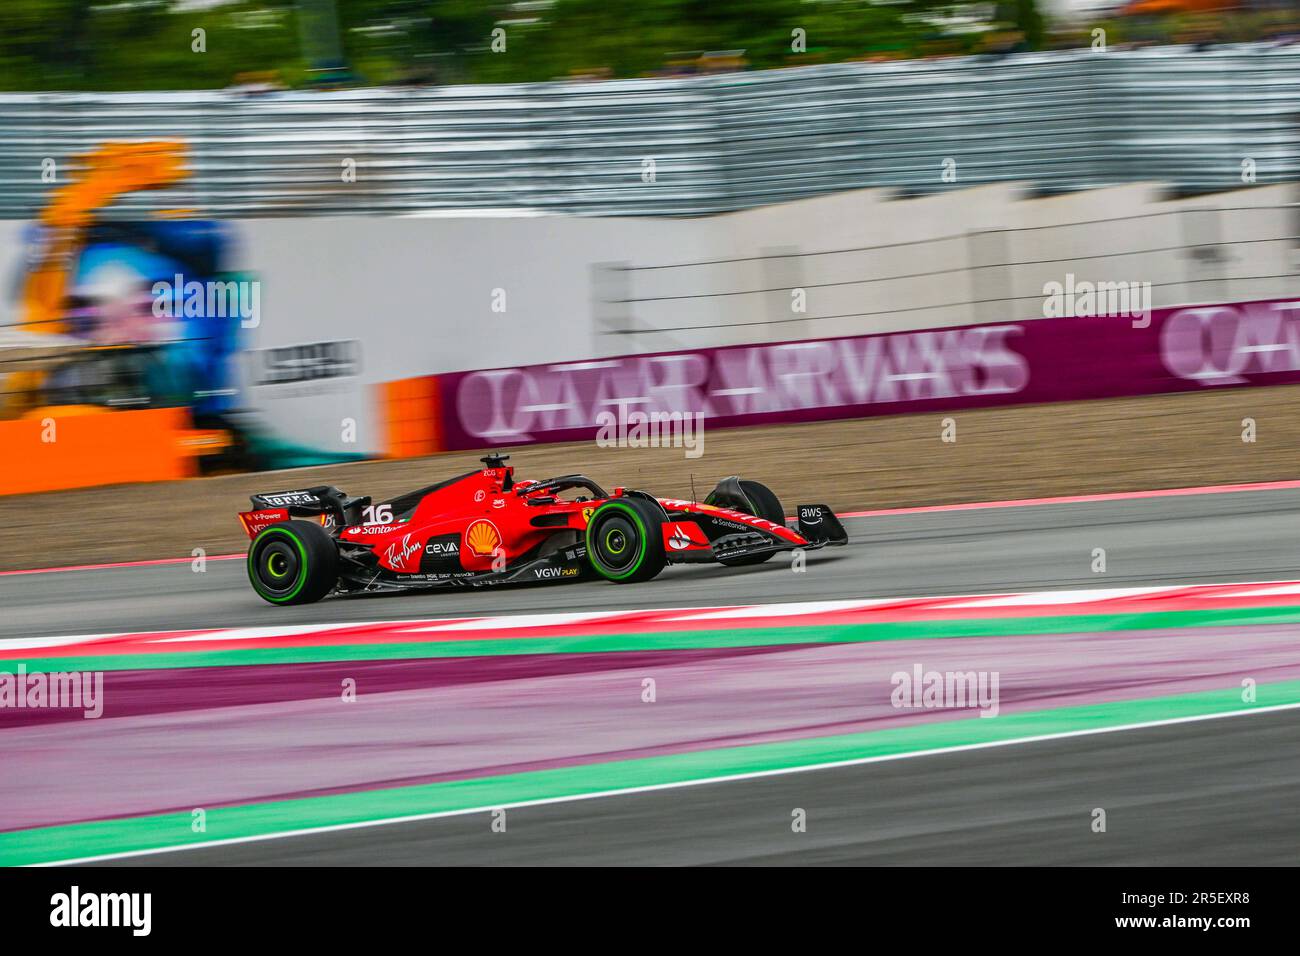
(302, 565)
(640, 526)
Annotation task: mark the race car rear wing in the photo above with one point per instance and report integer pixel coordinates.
(322, 500)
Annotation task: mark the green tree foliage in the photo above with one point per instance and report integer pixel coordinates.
(139, 44)
(147, 44)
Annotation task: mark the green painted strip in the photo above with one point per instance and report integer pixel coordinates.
(79, 840)
(669, 640)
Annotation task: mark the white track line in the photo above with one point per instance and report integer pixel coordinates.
(677, 614)
(400, 625)
(676, 785)
(518, 620)
(1080, 596)
(1256, 592)
(788, 610)
(253, 633)
(25, 643)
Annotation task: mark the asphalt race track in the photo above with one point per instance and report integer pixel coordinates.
(1183, 788)
(1247, 536)
(1171, 792)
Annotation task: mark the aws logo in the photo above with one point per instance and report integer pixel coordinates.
(482, 538)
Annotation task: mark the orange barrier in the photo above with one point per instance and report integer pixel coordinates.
(410, 411)
(76, 447)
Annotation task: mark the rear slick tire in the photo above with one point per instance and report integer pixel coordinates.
(293, 562)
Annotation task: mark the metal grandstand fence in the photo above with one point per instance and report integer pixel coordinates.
(1058, 121)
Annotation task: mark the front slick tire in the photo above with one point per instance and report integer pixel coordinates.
(294, 562)
(765, 504)
(625, 540)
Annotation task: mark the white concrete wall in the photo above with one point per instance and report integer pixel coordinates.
(11, 253)
(419, 291)
(940, 242)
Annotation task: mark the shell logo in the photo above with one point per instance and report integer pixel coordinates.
(482, 538)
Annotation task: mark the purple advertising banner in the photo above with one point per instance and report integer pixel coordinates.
(1193, 348)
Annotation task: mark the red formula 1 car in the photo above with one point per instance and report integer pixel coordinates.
(485, 528)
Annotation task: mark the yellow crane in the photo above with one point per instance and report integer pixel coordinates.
(97, 179)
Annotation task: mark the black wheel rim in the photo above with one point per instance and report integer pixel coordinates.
(616, 542)
(277, 566)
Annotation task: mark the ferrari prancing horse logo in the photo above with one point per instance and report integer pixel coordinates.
(482, 538)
